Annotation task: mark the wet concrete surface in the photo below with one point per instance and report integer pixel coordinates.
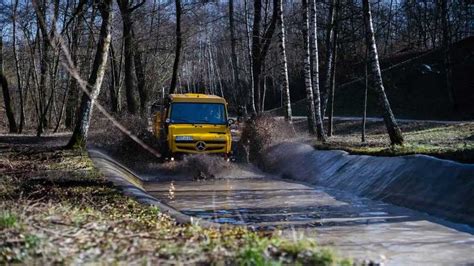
(353, 226)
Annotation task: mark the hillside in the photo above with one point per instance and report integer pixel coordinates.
(414, 84)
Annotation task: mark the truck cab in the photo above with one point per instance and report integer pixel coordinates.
(193, 123)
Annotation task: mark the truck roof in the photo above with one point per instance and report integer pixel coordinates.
(197, 98)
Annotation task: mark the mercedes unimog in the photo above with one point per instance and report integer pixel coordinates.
(193, 123)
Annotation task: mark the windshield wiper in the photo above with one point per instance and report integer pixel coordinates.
(201, 121)
(181, 120)
(195, 121)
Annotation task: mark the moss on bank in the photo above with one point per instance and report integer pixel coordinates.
(445, 141)
(55, 207)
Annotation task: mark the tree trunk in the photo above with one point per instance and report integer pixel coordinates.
(130, 83)
(6, 93)
(388, 37)
(393, 130)
(46, 43)
(44, 65)
(73, 93)
(140, 73)
(285, 88)
(447, 59)
(114, 82)
(366, 88)
(79, 136)
(329, 57)
(332, 84)
(260, 47)
(307, 71)
(256, 59)
(174, 77)
(251, 98)
(17, 69)
(235, 68)
(315, 70)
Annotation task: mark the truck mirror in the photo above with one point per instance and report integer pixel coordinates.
(230, 121)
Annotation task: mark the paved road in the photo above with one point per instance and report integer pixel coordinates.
(379, 119)
(354, 226)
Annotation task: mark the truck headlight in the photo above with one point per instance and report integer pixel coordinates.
(184, 138)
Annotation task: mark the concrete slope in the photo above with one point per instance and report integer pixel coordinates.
(420, 182)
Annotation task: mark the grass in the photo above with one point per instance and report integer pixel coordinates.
(7, 220)
(56, 208)
(445, 141)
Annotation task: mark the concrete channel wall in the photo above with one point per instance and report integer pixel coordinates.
(133, 186)
(439, 187)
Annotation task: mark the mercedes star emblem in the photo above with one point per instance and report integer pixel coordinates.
(201, 145)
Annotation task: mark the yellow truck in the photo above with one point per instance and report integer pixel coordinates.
(193, 123)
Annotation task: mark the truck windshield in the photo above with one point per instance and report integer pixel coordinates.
(198, 113)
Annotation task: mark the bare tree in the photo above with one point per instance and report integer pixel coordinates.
(126, 10)
(447, 60)
(329, 56)
(46, 35)
(140, 73)
(256, 59)
(260, 47)
(94, 83)
(393, 130)
(366, 89)
(332, 82)
(313, 44)
(6, 93)
(179, 40)
(307, 71)
(285, 88)
(233, 42)
(17, 68)
(251, 98)
(114, 86)
(73, 92)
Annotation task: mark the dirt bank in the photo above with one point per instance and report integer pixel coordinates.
(440, 187)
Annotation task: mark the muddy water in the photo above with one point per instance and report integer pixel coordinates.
(353, 226)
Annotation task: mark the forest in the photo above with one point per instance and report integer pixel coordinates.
(256, 54)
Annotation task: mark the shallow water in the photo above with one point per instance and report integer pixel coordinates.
(354, 226)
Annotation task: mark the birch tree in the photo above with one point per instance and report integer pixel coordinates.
(94, 83)
(285, 88)
(394, 132)
(307, 71)
(315, 70)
